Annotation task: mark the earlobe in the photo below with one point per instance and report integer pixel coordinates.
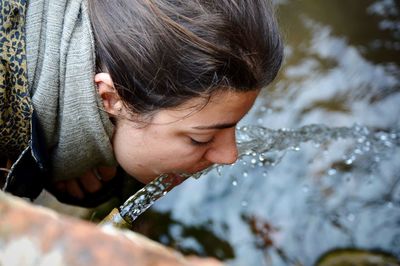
(111, 100)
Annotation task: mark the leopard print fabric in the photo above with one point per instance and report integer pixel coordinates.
(15, 103)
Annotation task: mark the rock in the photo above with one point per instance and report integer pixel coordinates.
(357, 257)
(32, 235)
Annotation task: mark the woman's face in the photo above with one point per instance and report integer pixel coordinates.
(183, 139)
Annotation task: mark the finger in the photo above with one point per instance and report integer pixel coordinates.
(90, 182)
(61, 186)
(107, 173)
(74, 189)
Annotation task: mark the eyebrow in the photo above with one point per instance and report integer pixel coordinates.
(216, 126)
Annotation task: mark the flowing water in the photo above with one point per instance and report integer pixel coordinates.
(328, 172)
(265, 147)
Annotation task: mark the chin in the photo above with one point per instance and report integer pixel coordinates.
(198, 169)
(145, 179)
(143, 176)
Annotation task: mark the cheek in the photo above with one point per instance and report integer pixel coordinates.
(122, 150)
(173, 147)
(153, 152)
(178, 154)
(126, 144)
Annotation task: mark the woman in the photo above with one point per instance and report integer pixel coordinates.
(152, 86)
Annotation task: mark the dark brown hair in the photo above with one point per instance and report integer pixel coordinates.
(161, 53)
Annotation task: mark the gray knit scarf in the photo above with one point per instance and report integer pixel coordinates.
(61, 65)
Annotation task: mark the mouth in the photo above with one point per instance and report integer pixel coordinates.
(197, 169)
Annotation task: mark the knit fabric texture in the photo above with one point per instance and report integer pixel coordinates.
(61, 68)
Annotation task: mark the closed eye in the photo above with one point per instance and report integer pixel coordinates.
(200, 143)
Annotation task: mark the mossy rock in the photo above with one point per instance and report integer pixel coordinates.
(357, 257)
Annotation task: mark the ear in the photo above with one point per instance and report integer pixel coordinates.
(105, 88)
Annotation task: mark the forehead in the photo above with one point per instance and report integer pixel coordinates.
(222, 107)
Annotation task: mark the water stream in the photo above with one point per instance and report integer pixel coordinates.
(266, 147)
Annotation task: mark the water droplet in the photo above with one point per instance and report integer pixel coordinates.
(142, 197)
(244, 203)
(296, 148)
(332, 171)
(351, 217)
(165, 193)
(366, 149)
(245, 174)
(265, 173)
(357, 151)
(136, 212)
(253, 161)
(150, 189)
(361, 139)
(388, 144)
(261, 158)
(219, 169)
(349, 161)
(260, 121)
(234, 183)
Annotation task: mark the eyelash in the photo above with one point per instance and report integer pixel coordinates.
(198, 143)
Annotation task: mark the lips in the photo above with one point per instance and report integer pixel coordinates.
(198, 169)
(177, 178)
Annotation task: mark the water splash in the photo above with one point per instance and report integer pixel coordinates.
(145, 197)
(267, 147)
(260, 140)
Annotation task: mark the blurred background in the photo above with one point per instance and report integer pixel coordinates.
(341, 68)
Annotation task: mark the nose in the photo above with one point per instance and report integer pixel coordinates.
(224, 149)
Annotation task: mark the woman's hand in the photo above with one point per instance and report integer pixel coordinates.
(90, 182)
